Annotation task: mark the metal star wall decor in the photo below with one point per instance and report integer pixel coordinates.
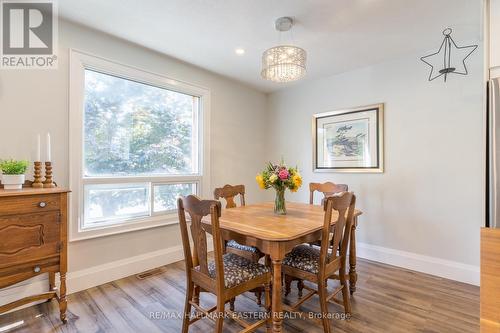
(449, 59)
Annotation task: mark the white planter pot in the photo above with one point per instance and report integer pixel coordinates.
(13, 182)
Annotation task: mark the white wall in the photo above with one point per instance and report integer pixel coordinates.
(424, 212)
(37, 101)
(494, 20)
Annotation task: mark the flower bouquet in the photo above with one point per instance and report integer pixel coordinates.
(279, 177)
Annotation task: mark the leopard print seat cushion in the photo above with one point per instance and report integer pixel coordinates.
(304, 257)
(238, 246)
(237, 270)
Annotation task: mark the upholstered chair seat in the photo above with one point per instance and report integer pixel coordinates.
(235, 245)
(237, 270)
(304, 257)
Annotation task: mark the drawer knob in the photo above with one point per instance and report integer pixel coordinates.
(42, 204)
(36, 269)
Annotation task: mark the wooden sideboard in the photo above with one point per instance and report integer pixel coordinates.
(33, 241)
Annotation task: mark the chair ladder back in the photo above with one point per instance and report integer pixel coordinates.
(325, 236)
(341, 229)
(229, 192)
(328, 189)
(349, 220)
(188, 255)
(197, 209)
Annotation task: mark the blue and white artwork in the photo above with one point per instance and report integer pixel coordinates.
(347, 140)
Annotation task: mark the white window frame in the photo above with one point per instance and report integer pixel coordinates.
(79, 62)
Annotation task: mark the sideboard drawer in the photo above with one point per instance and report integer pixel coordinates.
(29, 204)
(14, 274)
(29, 237)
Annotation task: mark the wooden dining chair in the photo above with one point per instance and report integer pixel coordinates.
(228, 193)
(227, 276)
(318, 265)
(327, 189)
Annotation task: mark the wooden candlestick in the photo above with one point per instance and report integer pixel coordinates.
(48, 176)
(37, 183)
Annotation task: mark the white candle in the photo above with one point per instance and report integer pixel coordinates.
(49, 158)
(38, 145)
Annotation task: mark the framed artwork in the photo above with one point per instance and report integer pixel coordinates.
(349, 140)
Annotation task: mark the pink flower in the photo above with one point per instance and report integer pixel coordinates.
(283, 174)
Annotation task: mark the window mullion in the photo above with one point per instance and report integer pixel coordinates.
(151, 199)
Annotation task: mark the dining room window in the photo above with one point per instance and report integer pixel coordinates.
(141, 147)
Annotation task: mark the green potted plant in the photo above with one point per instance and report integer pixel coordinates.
(13, 173)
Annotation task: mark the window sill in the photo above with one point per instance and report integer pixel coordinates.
(125, 226)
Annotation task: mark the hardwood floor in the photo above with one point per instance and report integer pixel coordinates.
(388, 299)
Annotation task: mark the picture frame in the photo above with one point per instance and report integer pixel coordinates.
(349, 140)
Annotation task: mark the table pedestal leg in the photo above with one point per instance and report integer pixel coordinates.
(276, 312)
(353, 276)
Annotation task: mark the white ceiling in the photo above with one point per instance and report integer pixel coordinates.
(339, 35)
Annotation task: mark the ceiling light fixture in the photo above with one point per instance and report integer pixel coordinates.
(239, 51)
(284, 63)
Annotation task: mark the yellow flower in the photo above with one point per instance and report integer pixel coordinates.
(260, 181)
(297, 180)
(273, 178)
(294, 188)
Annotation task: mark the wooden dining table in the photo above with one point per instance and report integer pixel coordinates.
(276, 235)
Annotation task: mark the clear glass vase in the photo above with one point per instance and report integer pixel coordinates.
(279, 202)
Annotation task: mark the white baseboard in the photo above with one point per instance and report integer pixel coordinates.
(97, 275)
(430, 265)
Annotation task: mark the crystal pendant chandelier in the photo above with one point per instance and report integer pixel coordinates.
(284, 63)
